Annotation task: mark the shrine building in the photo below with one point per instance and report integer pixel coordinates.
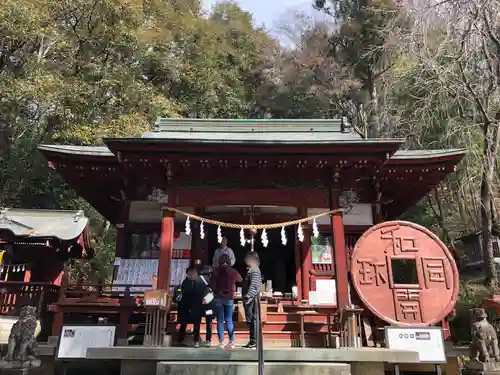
(249, 171)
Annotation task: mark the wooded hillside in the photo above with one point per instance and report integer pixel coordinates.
(72, 72)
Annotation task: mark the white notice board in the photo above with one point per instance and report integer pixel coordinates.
(325, 293)
(428, 342)
(75, 340)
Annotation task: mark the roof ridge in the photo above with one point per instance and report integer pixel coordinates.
(188, 125)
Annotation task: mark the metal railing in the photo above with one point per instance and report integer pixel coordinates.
(15, 294)
(260, 339)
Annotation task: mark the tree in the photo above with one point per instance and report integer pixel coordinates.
(453, 75)
(304, 80)
(74, 71)
(364, 43)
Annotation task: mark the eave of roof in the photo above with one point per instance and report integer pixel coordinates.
(254, 139)
(64, 225)
(426, 154)
(104, 152)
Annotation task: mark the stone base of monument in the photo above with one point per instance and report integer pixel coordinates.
(18, 367)
(474, 367)
(26, 365)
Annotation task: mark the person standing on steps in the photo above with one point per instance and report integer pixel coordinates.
(206, 274)
(223, 249)
(190, 305)
(252, 286)
(224, 285)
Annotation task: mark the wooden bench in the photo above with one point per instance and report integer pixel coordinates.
(303, 314)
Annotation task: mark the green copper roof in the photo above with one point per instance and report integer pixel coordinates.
(65, 225)
(421, 154)
(254, 131)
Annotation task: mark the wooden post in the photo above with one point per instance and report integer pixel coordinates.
(306, 256)
(166, 250)
(121, 242)
(339, 251)
(377, 205)
(298, 271)
(57, 322)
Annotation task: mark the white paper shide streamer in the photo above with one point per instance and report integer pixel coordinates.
(300, 233)
(188, 226)
(263, 238)
(243, 241)
(219, 234)
(315, 229)
(202, 230)
(283, 236)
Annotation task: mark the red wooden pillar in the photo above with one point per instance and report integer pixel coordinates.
(57, 322)
(121, 242)
(377, 213)
(377, 205)
(166, 250)
(298, 270)
(306, 256)
(339, 252)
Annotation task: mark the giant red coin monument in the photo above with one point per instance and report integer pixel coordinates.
(404, 274)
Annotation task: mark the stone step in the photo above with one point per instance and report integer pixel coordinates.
(267, 326)
(250, 368)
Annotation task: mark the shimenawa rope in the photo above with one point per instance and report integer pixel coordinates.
(253, 226)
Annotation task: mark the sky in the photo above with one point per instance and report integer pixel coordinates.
(267, 12)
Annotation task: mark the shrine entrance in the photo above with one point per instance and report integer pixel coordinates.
(277, 261)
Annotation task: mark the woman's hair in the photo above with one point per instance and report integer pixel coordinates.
(224, 259)
(252, 256)
(191, 268)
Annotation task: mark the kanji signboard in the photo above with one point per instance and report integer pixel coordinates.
(404, 274)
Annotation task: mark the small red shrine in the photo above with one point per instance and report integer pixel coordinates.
(237, 171)
(34, 247)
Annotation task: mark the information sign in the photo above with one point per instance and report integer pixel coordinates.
(428, 342)
(75, 340)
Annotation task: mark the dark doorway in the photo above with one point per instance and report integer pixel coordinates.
(277, 261)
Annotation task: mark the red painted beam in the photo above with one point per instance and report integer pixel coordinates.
(269, 197)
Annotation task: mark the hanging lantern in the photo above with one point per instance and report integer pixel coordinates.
(300, 233)
(263, 238)
(188, 226)
(219, 234)
(202, 230)
(283, 236)
(242, 237)
(315, 229)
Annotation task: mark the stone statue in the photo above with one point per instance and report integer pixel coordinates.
(22, 345)
(484, 346)
(484, 353)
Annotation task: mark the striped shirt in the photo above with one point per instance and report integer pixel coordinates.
(228, 251)
(252, 284)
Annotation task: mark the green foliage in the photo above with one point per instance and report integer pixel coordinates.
(75, 71)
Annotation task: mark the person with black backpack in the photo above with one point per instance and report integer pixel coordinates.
(208, 302)
(190, 304)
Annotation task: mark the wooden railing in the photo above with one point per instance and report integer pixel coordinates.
(15, 294)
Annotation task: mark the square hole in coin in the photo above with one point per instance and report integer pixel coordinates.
(404, 271)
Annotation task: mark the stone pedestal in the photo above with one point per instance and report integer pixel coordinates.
(474, 367)
(24, 371)
(250, 368)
